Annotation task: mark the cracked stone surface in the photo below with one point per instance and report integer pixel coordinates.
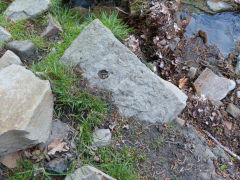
(26, 9)
(111, 66)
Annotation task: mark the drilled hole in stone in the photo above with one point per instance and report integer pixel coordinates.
(103, 74)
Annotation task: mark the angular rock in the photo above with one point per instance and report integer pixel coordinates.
(218, 6)
(58, 166)
(8, 59)
(10, 160)
(4, 36)
(26, 50)
(109, 65)
(53, 27)
(212, 86)
(233, 110)
(59, 129)
(88, 173)
(102, 137)
(26, 109)
(26, 9)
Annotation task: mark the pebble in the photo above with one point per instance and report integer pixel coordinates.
(233, 110)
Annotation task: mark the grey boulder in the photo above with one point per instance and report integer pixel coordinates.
(26, 50)
(88, 173)
(26, 109)
(8, 59)
(109, 65)
(26, 9)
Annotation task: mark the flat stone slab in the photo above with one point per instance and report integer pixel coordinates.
(212, 86)
(26, 109)
(8, 59)
(109, 65)
(26, 9)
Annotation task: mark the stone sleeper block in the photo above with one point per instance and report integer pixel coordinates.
(25, 111)
(109, 65)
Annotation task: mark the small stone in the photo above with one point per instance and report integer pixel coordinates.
(4, 35)
(26, 9)
(237, 68)
(228, 125)
(59, 129)
(88, 173)
(218, 6)
(233, 110)
(102, 137)
(26, 50)
(192, 72)
(180, 121)
(238, 94)
(58, 165)
(212, 86)
(8, 59)
(53, 27)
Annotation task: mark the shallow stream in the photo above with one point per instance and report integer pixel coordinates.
(222, 29)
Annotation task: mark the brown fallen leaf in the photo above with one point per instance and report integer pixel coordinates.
(57, 145)
(182, 82)
(10, 160)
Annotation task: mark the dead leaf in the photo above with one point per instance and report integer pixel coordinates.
(182, 82)
(57, 145)
(10, 160)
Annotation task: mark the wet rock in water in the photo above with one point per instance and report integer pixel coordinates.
(102, 137)
(26, 9)
(26, 50)
(233, 110)
(4, 36)
(212, 86)
(109, 65)
(53, 27)
(222, 29)
(237, 68)
(88, 173)
(218, 6)
(8, 59)
(26, 109)
(58, 165)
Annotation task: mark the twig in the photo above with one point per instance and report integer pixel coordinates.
(121, 10)
(223, 147)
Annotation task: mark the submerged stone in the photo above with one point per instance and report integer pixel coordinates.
(109, 65)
